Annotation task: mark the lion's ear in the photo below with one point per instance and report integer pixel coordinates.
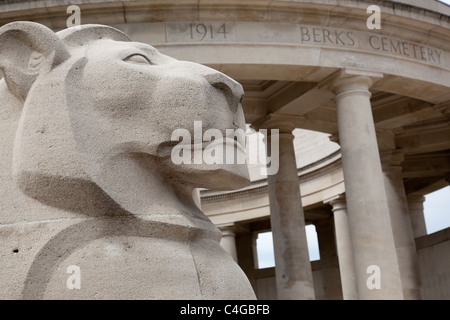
(26, 50)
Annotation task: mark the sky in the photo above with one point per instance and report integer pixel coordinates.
(436, 212)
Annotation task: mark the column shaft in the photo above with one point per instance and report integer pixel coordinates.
(415, 206)
(344, 249)
(329, 265)
(228, 241)
(403, 234)
(292, 265)
(246, 255)
(374, 254)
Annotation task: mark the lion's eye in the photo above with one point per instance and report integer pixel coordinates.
(137, 58)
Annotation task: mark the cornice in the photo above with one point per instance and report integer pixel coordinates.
(345, 14)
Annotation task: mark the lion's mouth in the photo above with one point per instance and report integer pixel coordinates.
(215, 143)
(229, 145)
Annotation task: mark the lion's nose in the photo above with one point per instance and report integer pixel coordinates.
(232, 90)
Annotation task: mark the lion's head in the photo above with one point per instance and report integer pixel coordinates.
(99, 111)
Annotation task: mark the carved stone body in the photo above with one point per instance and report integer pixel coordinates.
(86, 174)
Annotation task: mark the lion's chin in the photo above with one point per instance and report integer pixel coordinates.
(229, 177)
(209, 176)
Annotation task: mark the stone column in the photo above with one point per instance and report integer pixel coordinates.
(247, 257)
(292, 265)
(376, 265)
(344, 248)
(401, 224)
(228, 241)
(329, 265)
(415, 205)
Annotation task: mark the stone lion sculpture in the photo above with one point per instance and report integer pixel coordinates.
(87, 180)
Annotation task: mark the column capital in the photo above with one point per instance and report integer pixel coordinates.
(225, 228)
(392, 159)
(337, 202)
(349, 80)
(284, 123)
(227, 233)
(416, 198)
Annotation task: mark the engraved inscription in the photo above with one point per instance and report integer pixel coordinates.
(336, 37)
(328, 36)
(405, 48)
(199, 31)
(245, 32)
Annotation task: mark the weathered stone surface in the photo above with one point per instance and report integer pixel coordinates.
(87, 117)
